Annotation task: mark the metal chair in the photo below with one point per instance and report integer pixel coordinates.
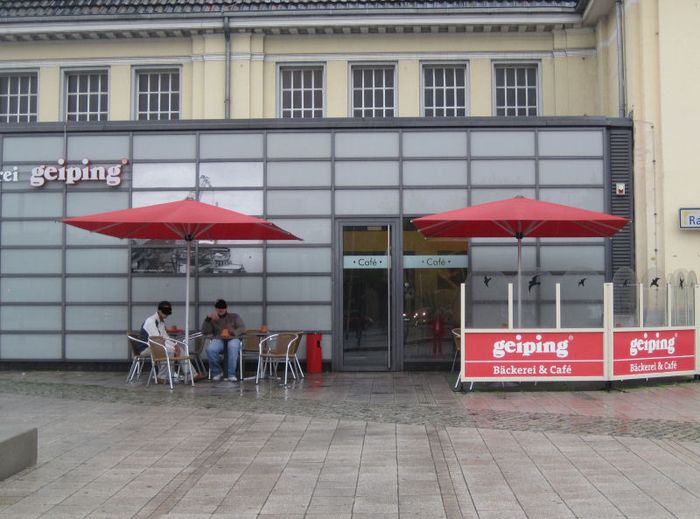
(139, 355)
(275, 349)
(250, 347)
(161, 355)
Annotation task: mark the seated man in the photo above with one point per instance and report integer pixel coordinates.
(225, 328)
(154, 326)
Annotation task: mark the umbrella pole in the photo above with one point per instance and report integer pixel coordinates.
(187, 294)
(520, 276)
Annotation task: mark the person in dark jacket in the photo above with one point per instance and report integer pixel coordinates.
(225, 329)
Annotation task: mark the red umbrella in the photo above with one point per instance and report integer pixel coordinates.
(519, 218)
(183, 220)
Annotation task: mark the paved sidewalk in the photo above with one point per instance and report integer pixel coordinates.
(351, 446)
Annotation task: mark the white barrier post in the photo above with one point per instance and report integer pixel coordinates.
(608, 329)
(462, 292)
(557, 304)
(510, 306)
(669, 305)
(696, 325)
(641, 305)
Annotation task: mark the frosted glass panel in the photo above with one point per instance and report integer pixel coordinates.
(143, 198)
(366, 173)
(75, 236)
(230, 174)
(19, 205)
(299, 317)
(505, 258)
(151, 289)
(232, 289)
(93, 317)
(104, 346)
(31, 290)
(112, 147)
(571, 143)
(97, 261)
(247, 202)
(376, 201)
(502, 144)
(96, 290)
(299, 260)
(87, 203)
(300, 288)
(32, 346)
(298, 202)
(164, 175)
(435, 172)
(499, 172)
(31, 233)
(139, 313)
(23, 318)
(30, 261)
(299, 145)
(370, 144)
(435, 144)
(480, 196)
(34, 149)
(571, 172)
(299, 174)
(591, 199)
(312, 230)
(572, 257)
(236, 146)
(423, 201)
(171, 147)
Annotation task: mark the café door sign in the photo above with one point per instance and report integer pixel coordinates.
(689, 217)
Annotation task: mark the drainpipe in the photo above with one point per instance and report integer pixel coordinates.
(621, 58)
(227, 69)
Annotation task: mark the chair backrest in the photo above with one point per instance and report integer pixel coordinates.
(457, 337)
(158, 349)
(296, 343)
(250, 343)
(136, 345)
(279, 343)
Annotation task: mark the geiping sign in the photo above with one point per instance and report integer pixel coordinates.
(69, 175)
(540, 355)
(648, 353)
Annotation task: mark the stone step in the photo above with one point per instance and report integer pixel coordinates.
(18, 449)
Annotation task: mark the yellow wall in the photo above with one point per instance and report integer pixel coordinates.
(570, 68)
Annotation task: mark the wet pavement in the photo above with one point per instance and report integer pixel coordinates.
(352, 446)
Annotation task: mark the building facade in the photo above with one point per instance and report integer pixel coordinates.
(338, 122)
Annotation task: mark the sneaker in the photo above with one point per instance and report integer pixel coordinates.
(232, 379)
(216, 378)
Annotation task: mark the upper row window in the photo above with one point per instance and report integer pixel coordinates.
(18, 99)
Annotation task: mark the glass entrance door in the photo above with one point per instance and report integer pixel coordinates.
(366, 299)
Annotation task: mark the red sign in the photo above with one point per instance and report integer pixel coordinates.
(543, 355)
(653, 352)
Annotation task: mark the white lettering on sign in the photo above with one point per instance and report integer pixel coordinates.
(652, 345)
(70, 175)
(9, 175)
(527, 348)
(365, 262)
(435, 262)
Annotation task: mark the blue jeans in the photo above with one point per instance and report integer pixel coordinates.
(214, 349)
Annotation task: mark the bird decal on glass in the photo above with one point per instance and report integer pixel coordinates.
(487, 280)
(655, 282)
(533, 282)
(681, 282)
(626, 282)
(582, 282)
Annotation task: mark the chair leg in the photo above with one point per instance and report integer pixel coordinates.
(454, 361)
(301, 371)
(286, 365)
(132, 369)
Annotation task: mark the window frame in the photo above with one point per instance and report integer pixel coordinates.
(135, 71)
(445, 64)
(526, 63)
(279, 103)
(373, 65)
(28, 116)
(66, 72)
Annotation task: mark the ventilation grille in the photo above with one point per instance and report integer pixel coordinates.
(621, 171)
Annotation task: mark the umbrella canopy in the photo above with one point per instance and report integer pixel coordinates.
(519, 218)
(183, 220)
